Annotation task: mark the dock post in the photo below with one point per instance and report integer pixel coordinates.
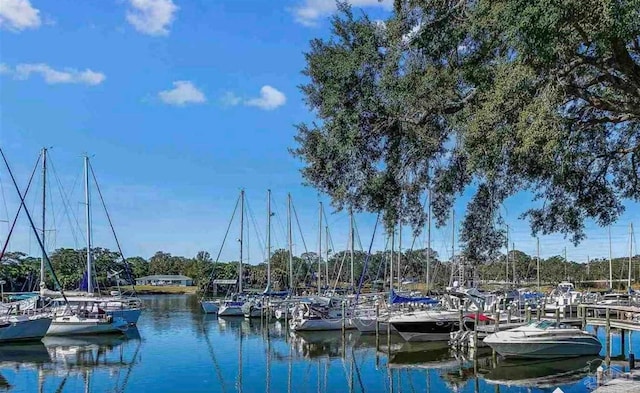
(583, 315)
(557, 315)
(460, 318)
(528, 315)
(632, 357)
(496, 330)
(607, 332)
(475, 335)
(622, 342)
(508, 315)
(538, 312)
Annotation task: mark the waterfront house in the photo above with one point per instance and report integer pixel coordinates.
(165, 279)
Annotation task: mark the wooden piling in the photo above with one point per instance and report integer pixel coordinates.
(584, 317)
(557, 314)
(538, 312)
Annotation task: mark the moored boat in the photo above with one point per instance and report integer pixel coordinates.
(544, 339)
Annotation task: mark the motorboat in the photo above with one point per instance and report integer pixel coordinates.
(24, 327)
(544, 339)
(426, 325)
(76, 324)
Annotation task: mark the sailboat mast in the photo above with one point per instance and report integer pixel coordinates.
(319, 245)
(429, 238)
(538, 260)
(326, 253)
(610, 261)
(241, 240)
(44, 207)
(453, 241)
(269, 240)
(393, 239)
(630, 253)
(506, 279)
(351, 246)
(399, 253)
(88, 219)
(290, 243)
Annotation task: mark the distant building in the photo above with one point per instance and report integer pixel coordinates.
(165, 279)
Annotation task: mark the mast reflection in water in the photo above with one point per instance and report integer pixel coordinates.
(177, 349)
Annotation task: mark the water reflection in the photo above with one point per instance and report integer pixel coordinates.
(183, 350)
(542, 373)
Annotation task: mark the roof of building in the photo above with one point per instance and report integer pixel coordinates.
(165, 277)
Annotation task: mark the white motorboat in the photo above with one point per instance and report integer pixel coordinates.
(24, 327)
(544, 339)
(74, 324)
(427, 325)
(210, 306)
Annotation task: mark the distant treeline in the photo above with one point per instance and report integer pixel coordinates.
(21, 271)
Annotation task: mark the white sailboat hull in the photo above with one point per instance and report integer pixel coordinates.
(230, 311)
(320, 324)
(72, 325)
(24, 329)
(210, 306)
(130, 316)
(368, 325)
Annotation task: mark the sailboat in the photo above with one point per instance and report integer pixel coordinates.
(92, 314)
(30, 324)
(233, 307)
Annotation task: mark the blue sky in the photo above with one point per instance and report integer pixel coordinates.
(180, 104)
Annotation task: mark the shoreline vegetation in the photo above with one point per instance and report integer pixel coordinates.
(21, 271)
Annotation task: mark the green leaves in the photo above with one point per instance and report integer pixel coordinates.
(514, 95)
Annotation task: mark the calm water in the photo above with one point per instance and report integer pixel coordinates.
(176, 348)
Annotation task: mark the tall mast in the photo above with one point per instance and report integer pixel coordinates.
(399, 253)
(44, 207)
(88, 216)
(351, 246)
(290, 243)
(241, 240)
(538, 260)
(514, 262)
(326, 253)
(393, 239)
(319, 244)
(610, 262)
(269, 240)
(506, 279)
(566, 262)
(630, 253)
(453, 241)
(428, 238)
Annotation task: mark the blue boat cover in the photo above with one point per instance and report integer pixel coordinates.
(397, 299)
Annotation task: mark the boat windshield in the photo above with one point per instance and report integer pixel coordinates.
(547, 324)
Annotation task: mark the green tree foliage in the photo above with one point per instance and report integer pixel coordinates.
(499, 95)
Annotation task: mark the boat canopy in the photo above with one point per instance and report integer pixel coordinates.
(397, 299)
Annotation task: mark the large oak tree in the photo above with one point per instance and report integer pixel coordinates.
(501, 96)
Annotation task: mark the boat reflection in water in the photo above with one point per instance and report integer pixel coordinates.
(542, 373)
(58, 360)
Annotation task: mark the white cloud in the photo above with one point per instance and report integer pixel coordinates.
(18, 15)
(52, 76)
(230, 99)
(311, 11)
(183, 92)
(151, 17)
(270, 98)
